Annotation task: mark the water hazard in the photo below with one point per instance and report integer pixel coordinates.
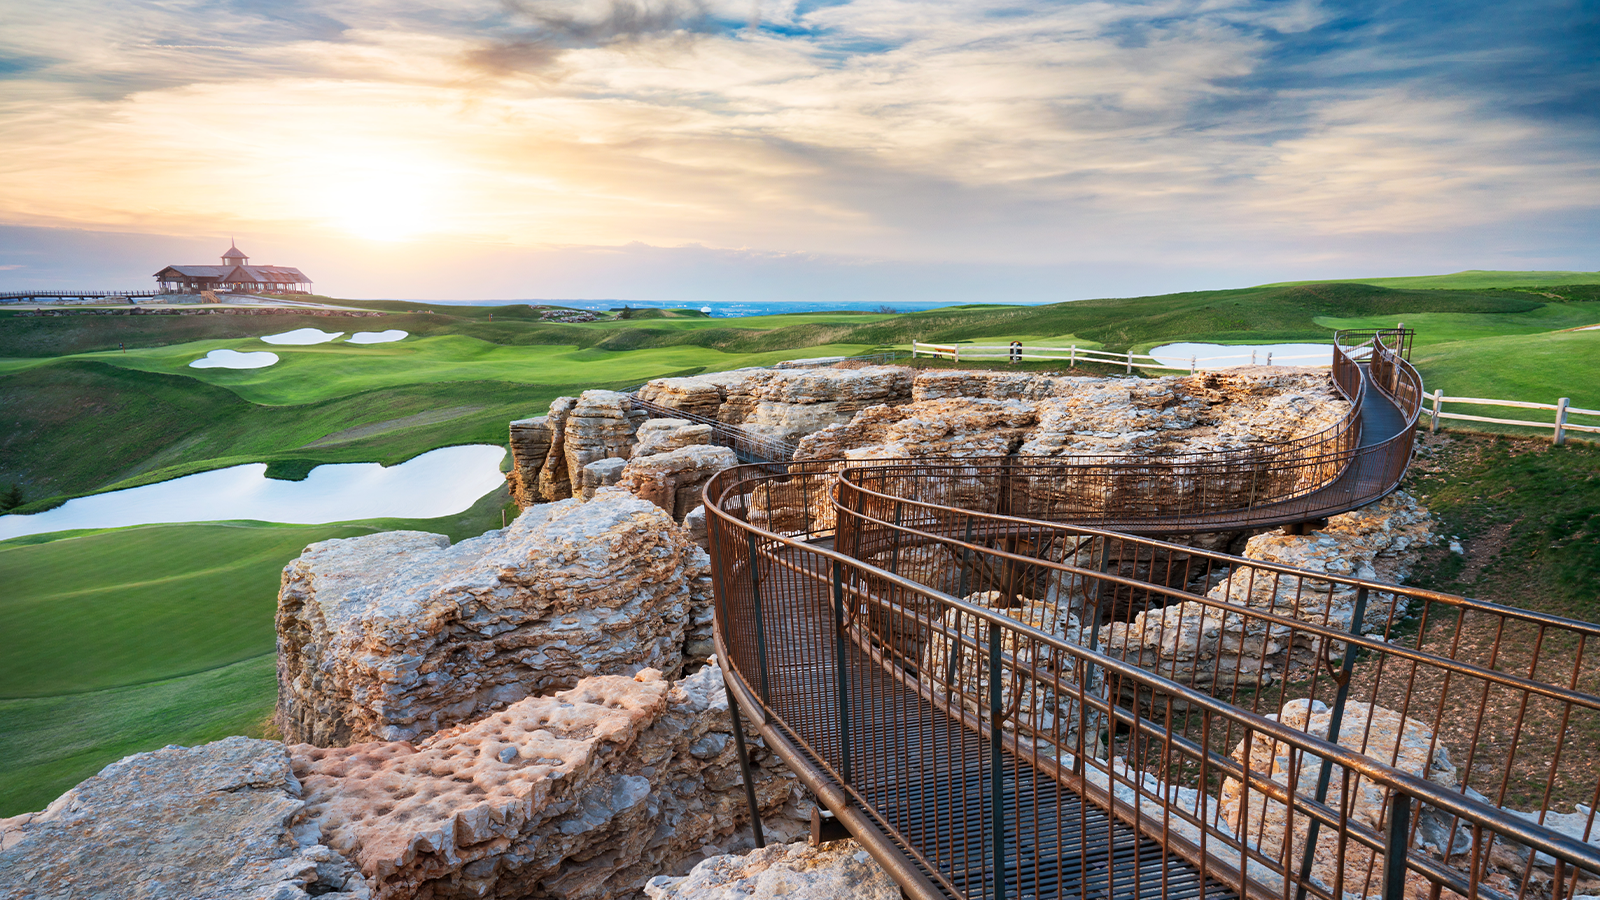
(438, 483)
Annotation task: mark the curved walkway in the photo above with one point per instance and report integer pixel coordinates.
(950, 683)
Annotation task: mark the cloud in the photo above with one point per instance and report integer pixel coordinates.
(915, 130)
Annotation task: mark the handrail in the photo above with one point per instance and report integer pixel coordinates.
(884, 613)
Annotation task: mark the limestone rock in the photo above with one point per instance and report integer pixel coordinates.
(530, 447)
(601, 473)
(601, 425)
(1380, 733)
(950, 385)
(582, 795)
(932, 428)
(1195, 643)
(674, 480)
(211, 821)
(395, 636)
(793, 872)
(665, 435)
(701, 395)
(554, 481)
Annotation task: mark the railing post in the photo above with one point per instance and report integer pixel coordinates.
(1394, 848)
(1438, 401)
(1072, 357)
(841, 672)
(1561, 420)
(997, 782)
(1130, 362)
(955, 352)
(744, 766)
(1358, 615)
(761, 630)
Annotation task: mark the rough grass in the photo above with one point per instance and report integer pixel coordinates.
(141, 637)
(1472, 279)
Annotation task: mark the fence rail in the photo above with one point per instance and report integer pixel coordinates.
(1562, 408)
(1074, 354)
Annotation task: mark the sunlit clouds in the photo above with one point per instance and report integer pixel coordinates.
(879, 130)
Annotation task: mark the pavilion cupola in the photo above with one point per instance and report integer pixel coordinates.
(235, 256)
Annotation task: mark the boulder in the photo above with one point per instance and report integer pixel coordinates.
(394, 636)
(674, 480)
(211, 821)
(665, 435)
(554, 482)
(530, 447)
(601, 425)
(583, 795)
(700, 395)
(601, 473)
(782, 872)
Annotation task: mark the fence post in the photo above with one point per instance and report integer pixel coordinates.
(1192, 369)
(955, 350)
(913, 349)
(1130, 362)
(1561, 420)
(1252, 356)
(1073, 358)
(1438, 400)
(1269, 357)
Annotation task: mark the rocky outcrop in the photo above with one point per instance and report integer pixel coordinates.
(782, 405)
(530, 447)
(212, 821)
(599, 474)
(666, 435)
(395, 636)
(790, 872)
(583, 795)
(601, 426)
(1197, 643)
(932, 428)
(674, 480)
(1382, 734)
(554, 480)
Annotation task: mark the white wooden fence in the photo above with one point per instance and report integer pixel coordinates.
(1075, 354)
(1562, 407)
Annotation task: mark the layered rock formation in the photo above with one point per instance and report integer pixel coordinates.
(530, 447)
(782, 404)
(395, 636)
(665, 435)
(777, 872)
(674, 480)
(1197, 643)
(582, 795)
(213, 821)
(600, 426)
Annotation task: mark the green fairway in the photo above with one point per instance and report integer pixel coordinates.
(129, 639)
(1537, 368)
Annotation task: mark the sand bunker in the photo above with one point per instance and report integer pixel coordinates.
(303, 336)
(233, 359)
(377, 337)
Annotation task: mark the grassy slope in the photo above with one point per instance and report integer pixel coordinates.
(141, 637)
(1472, 279)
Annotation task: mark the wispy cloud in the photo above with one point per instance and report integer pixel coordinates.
(1035, 134)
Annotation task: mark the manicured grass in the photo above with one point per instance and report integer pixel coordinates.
(1537, 368)
(1444, 328)
(130, 639)
(47, 745)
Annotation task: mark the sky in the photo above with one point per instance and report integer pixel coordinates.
(765, 150)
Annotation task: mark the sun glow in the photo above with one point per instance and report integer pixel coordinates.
(383, 207)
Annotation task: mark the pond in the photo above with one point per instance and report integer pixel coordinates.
(1223, 356)
(438, 483)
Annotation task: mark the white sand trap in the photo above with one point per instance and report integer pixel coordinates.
(303, 336)
(439, 483)
(377, 337)
(233, 359)
(1226, 356)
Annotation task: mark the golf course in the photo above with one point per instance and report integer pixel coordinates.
(129, 639)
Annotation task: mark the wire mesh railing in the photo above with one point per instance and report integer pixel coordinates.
(961, 679)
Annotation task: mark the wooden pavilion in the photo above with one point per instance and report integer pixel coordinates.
(235, 275)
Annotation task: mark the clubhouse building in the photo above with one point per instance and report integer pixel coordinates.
(235, 275)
